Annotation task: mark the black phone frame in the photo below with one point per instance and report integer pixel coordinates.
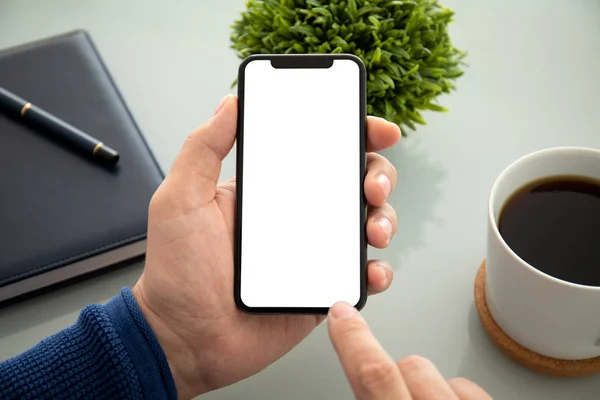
(298, 61)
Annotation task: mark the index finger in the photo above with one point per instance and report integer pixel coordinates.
(371, 372)
(381, 134)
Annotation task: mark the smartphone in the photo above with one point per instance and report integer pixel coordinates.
(300, 243)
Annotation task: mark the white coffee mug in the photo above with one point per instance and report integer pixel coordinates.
(546, 315)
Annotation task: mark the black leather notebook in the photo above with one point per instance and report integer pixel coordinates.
(62, 214)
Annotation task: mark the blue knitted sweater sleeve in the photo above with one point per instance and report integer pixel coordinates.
(109, 353)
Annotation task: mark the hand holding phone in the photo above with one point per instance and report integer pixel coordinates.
(185, 291)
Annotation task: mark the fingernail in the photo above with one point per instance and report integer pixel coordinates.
(385, 184)
(343, 310)
(385, 277)
(386, 225)
(221, 105)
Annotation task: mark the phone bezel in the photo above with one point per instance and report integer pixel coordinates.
(298, 61)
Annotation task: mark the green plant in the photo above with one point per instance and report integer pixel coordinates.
(405, 46)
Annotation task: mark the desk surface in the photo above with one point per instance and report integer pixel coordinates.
(532, 83)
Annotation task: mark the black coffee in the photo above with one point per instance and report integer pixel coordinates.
(554, 225)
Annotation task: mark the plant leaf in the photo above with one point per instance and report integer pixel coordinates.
(404, 44)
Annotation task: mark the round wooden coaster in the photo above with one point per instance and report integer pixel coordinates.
(518, 353)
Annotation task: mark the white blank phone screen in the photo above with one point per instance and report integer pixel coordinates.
(301, 186)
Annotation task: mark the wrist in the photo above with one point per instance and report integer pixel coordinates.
(178, 352)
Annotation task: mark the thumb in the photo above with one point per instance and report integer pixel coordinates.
(198, 164)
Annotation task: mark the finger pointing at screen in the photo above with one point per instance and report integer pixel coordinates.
(373, 374)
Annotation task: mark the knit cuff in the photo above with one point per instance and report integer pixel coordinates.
(87, 360)
(142, 346)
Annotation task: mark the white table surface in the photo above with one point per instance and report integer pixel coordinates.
(533, 82)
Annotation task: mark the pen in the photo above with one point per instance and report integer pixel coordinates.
(17, 107)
